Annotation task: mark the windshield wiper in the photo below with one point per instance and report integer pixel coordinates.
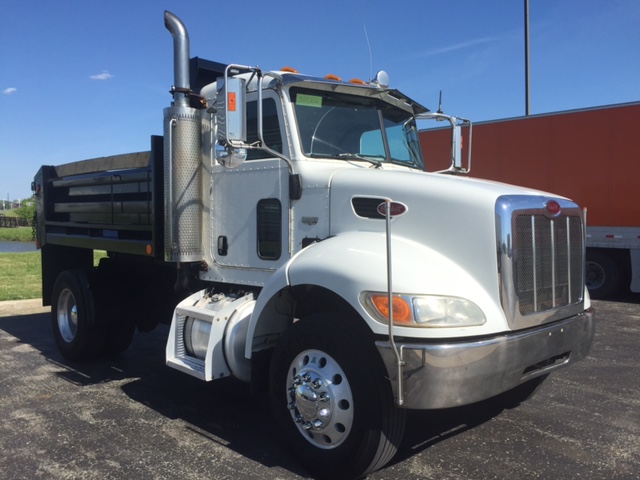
(347, 156)
(357, 156)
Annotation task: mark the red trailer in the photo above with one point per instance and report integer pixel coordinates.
(586, 155)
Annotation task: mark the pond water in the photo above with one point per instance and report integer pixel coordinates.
(17, 247)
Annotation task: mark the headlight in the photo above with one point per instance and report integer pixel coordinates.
(447, 312)
(425, 310)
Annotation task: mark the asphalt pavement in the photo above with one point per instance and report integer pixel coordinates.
(130, 416)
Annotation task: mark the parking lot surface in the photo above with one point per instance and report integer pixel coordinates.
(131, 416)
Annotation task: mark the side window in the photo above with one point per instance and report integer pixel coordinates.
(269, 228)
(397, 143)
(270, 127)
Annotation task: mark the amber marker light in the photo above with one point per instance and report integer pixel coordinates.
(331, 76)
(289, 70)
(149, 249)
(402, 311)
(357, 81)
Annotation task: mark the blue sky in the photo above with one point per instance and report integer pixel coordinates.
(83, 79)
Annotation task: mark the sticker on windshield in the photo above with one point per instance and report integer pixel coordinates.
(309, 100)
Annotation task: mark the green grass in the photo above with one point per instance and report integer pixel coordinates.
(20, 275)
(17, 234)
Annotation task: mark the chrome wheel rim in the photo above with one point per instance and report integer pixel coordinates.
(320, 399)
(67, 314)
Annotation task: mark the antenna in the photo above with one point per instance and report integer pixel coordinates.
(370, 56)
(440, 103)
(366, 36)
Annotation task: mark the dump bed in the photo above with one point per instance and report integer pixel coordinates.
(110, 203)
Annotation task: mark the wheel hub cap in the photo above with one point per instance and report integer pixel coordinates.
(320, 399)
(67, 315)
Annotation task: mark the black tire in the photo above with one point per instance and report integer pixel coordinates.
(113, 312)
(119, 336)
(76, 329)
(361, 426)
(604, 274)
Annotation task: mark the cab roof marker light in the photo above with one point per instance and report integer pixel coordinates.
(289, 69)
(357, 81)
(331, 76)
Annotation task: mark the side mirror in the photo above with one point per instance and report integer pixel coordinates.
(231, 114)
(229, 156)
(457, 147)
(458, 143)
(231, 120)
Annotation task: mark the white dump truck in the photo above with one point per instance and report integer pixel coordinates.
(286, 228)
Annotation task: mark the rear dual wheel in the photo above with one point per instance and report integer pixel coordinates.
(86, 325)
(331, 399)
(76, 330)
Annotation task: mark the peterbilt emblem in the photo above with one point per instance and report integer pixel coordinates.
(552, 208)
(311, 221)
(395, 209)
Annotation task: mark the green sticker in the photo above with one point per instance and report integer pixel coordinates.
(309, 100)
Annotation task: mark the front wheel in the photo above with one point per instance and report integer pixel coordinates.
(331, 399)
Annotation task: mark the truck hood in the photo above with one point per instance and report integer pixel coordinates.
(450, 215)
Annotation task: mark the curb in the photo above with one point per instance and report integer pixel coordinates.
(11, 308)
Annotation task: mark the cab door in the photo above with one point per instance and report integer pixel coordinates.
(250, 203)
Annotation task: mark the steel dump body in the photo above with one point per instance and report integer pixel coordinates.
(104, 204)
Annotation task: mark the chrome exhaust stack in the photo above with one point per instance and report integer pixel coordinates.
(182, 159)
(181, 88)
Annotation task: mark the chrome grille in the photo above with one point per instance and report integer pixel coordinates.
(548, 262)
(540, 259)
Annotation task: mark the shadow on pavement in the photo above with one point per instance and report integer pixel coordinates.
(223, 411)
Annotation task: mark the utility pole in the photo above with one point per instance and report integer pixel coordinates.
(526, 56)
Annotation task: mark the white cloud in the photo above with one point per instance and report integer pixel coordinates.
(105, 75)
(456, 46)
(10, 91)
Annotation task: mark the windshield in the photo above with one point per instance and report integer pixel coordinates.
(350, 127)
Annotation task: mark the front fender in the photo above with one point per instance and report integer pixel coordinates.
(353, 262)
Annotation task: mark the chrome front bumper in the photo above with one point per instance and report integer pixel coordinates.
(442, 375)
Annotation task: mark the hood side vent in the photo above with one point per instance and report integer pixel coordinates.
(367, 207)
